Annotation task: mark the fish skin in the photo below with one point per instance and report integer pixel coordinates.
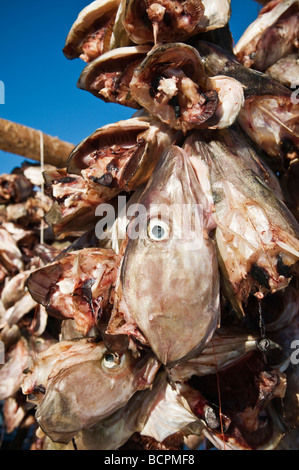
(170, 290)
(109, 433)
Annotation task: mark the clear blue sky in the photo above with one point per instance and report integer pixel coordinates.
(40, 83)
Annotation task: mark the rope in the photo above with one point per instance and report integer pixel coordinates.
(42, 163)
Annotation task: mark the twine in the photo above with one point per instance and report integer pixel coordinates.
(42, 163)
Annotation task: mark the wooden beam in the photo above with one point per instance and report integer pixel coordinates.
(25, 141)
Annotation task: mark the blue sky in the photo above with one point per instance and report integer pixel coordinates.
(40, 83)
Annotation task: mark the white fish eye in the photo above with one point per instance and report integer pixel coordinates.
(157, 229)
(111, 360)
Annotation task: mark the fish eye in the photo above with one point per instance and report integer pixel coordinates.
(111, 360)
(157, 229)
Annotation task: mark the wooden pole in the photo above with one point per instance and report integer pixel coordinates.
(24, 141)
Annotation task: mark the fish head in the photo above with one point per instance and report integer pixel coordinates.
(82, 395)
(169, 274)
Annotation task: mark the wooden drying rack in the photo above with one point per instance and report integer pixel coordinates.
(25, 141)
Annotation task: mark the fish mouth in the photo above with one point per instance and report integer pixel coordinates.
(121, 156)
(108, 76)
(90, 35)
(171, 84)
(161, 20)
(111, 156)
(66, 292)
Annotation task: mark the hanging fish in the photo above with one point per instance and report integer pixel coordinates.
(273, 35)
(269, 114)
(256, 234)
(286, 70)
(79, 383)
(158, 413)
(11, 373)
(158, 21)
(90, 34)
(227, 346)
(171, 84)
(272, 122)
(122, 155)
(14, 188)
(108, 77)
(168, 284)
(76, 286)
(74, 202)
(243, 419)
